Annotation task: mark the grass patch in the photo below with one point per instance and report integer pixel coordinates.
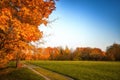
(83, 70)
(11, 73)
(50, 75)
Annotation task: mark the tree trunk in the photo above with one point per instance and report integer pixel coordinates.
(17, 60)
(17, 63)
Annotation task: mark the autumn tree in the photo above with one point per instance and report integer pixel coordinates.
(19, 21)
(97, 54)
(54, 52)
(113, 52)
(87, 53)
(77, 54)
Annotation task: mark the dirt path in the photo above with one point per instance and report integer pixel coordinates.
(47, 74)
(31, 68)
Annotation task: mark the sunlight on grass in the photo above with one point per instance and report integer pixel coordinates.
(83, 70)
(51, 75)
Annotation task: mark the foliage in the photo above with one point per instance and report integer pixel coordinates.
(113, 52)
(18, 18)
(88, 54)
(80, 53)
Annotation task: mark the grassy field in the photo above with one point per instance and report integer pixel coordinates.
(83, 70)
(11, 73)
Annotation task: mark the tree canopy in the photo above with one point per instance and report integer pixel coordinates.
(113, 52)
(19, 22)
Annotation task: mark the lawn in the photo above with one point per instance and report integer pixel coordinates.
(11, 73)
(83, 70)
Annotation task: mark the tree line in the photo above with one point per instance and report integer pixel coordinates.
(112, 53)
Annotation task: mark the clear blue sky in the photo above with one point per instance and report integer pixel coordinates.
(84, 23)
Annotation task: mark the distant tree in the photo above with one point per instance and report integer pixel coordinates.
(53, 54)
(97, 54)
(82, 53)
(76, 55)
(62, 54)
(113, 52)
(67, 53)
(19, 21)
(85, 53)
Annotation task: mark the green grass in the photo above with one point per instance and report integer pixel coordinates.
(51, 75)
(83, 70)
(11, 73)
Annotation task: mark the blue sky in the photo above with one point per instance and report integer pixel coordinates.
(84, 23)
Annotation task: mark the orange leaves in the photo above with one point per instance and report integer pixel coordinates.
(10, 56)
(30, 33)
(4, 3)
(3, 59)
(34, 11)
(5, 17)
(3, 20)
(44, 22)
(19, 21)
(26, 31)
(6, 12)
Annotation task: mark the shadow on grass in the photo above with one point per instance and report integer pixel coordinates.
(3, 68)
(6, 69)
(10, 72)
